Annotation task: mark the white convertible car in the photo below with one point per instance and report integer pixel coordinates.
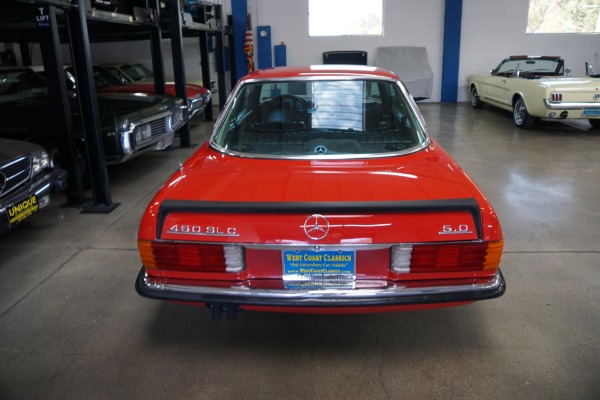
(536, 87)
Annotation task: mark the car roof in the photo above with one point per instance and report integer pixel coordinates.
(320, 71)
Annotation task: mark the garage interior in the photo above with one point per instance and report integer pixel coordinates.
(72, 325)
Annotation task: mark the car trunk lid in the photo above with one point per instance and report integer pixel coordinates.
(290, 202)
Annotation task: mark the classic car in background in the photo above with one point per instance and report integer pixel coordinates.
(536, 87)
(320, 191)
(26, 181)
(198, 97)
(130, 124)
(124, 11)
(138, 73)
(131, 72)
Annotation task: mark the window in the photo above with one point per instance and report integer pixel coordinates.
(322, 118)
(564, 16)
(345, 17)
(538, 66)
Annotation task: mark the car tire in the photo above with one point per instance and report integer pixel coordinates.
(595, 123)
(475, 100)
(521, 116)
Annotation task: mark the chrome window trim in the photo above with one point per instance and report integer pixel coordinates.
(353, 77)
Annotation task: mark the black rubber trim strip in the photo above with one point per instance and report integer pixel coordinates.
(190, 206)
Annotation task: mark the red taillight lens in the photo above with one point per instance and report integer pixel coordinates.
(191, 257)
(446, 257)
(556, 97)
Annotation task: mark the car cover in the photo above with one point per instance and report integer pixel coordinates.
(411, 65)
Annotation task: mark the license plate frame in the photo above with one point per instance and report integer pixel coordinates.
(322, 268)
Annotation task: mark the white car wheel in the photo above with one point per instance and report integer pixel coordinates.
(521, 116)
(475, 100)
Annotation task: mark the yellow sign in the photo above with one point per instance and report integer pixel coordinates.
(18, 212)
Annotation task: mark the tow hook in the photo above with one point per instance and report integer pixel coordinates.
(218, 309)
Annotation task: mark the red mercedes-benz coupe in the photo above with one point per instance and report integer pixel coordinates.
(320, 191)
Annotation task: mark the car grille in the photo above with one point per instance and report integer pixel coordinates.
(149, 130)
(13, 174)
(159, 126)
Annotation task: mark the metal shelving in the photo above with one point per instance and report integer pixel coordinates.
(55, 22)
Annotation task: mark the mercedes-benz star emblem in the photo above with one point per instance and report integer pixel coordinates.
(320, 149)
(316, 227)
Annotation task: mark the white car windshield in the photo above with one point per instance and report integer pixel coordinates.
(320, 119)
(535, 66)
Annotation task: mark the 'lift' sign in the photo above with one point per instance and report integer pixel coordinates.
(42, 17)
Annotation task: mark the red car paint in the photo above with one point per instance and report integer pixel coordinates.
(191, 90)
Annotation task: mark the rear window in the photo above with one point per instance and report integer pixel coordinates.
(320, 118)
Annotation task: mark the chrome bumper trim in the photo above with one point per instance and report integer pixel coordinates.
(243, 295)
(569, 106)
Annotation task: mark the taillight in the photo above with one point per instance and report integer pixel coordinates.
(192, 257)
(556, 97)
(446, 257)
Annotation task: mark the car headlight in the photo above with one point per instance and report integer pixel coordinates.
(142, 133)
(39, 162)
(177, 119)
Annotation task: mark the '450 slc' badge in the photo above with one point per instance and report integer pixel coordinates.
(203, 230)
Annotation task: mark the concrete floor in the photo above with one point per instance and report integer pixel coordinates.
(73, 327)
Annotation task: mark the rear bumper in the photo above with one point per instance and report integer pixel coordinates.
(572, 110)
(570, 106)
(434, 292)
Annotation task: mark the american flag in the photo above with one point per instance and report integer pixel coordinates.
(249, 46)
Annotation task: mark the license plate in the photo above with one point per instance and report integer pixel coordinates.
(591, 112)
(21, 210)
(319, 269)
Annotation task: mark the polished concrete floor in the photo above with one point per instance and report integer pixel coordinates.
(73, 327)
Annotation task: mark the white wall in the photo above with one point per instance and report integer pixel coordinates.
(406, 23)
